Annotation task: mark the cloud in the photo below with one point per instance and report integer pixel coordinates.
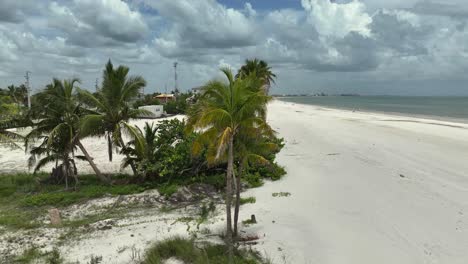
(338, 20)
(14, 11)
(453, 8)
(202, 25)
(91, 23)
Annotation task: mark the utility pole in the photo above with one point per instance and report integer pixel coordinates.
(28, 88)
(97, 87)
(176, 89)
(165, 91)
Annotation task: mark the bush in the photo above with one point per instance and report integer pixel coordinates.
(254, 180)
(179, 106)
(187, 251)
(248, 200)
(271, 171)
(168, 189)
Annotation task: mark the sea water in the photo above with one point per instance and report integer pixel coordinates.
(443, 108)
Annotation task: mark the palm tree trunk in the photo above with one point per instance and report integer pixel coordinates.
(132, 164)
(65, 172)
(229, 172)
(93, 165)
(238, 189)
(109, 146)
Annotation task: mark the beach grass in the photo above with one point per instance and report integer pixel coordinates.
(246, 200)
(189, 251)
(23, 199)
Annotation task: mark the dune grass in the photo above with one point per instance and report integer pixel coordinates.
(189, 251)
(34, 255)
(247, 200)
(23, 198)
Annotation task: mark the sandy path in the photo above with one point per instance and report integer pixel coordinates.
(364, 190)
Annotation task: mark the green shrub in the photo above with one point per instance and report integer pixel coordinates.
(189, 252)
(254, 180)
(271, 171)
(216, 180)
(168, 189)
(248, 200)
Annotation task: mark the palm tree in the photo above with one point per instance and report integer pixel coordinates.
(221, 112)
(8, 137)
(112, 104)
(253, 146)
(260, 69)
(59, 115)
(142, 149)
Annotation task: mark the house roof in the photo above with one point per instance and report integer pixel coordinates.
(164, 96)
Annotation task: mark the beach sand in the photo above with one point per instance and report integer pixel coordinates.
(364, 188)
(15, 161)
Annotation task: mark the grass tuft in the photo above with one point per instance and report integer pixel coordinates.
(188, 251)
(248, 200)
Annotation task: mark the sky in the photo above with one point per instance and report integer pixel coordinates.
(371, 47)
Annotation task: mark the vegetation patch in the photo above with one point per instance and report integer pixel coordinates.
(168, 189)
(281, 194)
(247, 200)
(249, 222)
(189, 251)
(34, 255)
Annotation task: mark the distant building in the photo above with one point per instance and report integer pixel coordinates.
(197, 90)
(156, 110)
(164, 98)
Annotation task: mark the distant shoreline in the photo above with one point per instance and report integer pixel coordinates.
(374, 111)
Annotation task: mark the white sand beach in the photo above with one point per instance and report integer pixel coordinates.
(364, 188)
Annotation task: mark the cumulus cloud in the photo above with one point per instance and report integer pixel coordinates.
(337, 20)
(207, 24)
(98, 22)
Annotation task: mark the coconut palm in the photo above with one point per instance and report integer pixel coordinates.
(142, 149)
(7, 137)
(112, 105)
(254, 144)
(260, 69)
(222, 111)
(59, 113)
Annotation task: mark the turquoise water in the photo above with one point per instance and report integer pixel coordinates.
(445, 108)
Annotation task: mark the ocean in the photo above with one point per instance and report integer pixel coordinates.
(442, 108)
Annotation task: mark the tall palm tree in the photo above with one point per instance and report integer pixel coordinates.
(112, 103)
(252, 147)
(59, 113)
(222, 110)
(259, 68)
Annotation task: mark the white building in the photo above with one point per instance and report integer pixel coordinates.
(157, 110)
